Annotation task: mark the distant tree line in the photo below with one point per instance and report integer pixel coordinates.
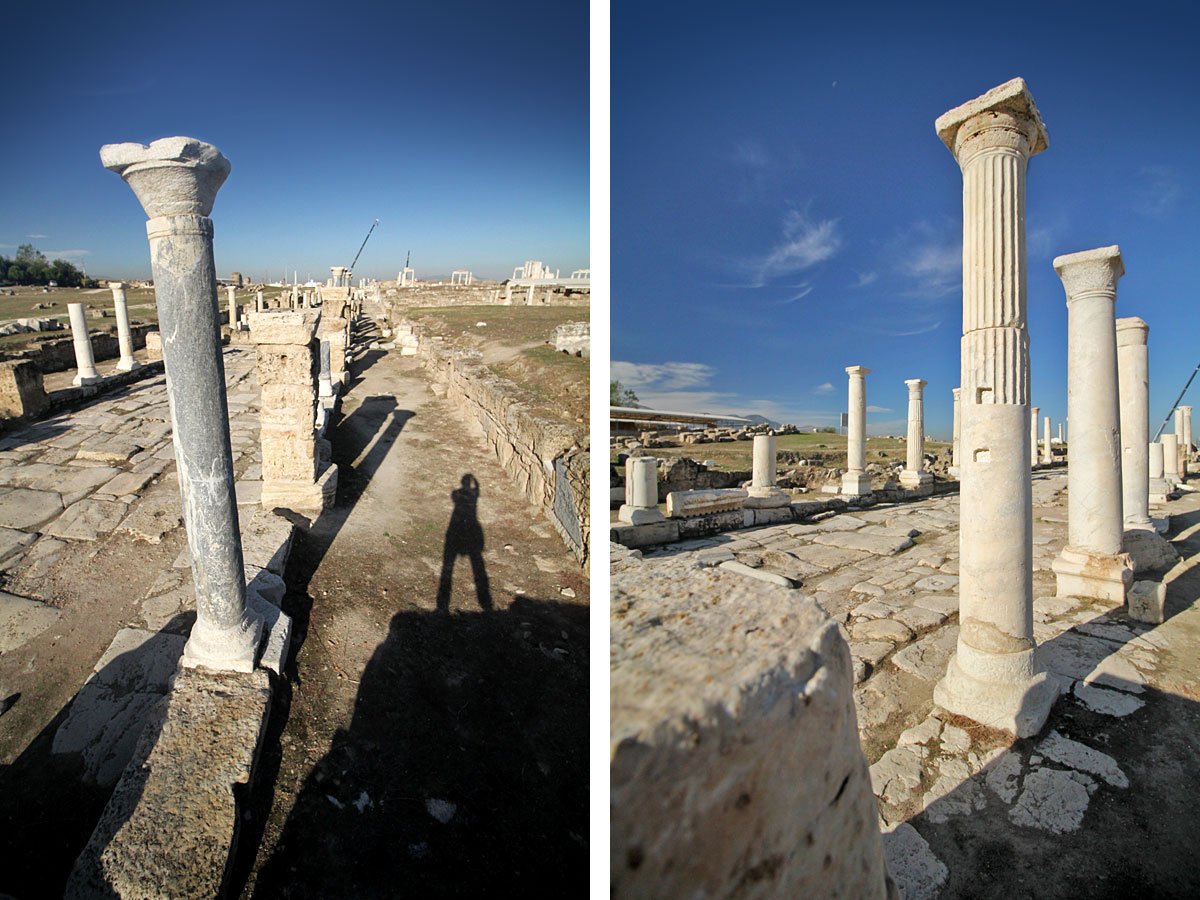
(30, 266)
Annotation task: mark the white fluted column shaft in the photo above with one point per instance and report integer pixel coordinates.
(1133, 386)
(85, 362)
(1033, 434)
(765, 468)
(856, 423)
(1047, 448)
(916, 424)
(124, 336)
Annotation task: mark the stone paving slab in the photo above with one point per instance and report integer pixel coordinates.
(22, 619)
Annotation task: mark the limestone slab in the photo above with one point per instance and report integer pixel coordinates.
(912, 863)
(88, 520)
(26, 509)
(927, 658)
(882, 545)
(1053, 800)
(1083, 758)
(12, 542)
(22, 619)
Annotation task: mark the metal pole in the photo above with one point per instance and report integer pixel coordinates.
(1171, 411)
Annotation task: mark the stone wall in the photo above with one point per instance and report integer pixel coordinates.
(58, 354)
(548, 460)
(736, 768)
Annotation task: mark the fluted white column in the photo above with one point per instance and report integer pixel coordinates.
(993, 676)
(1047, 449)
(1033, 435)
(1133, 378)
(1185, 442)
(914, 475)
(124, 336)
(85, 361)
(1092, 564)
(957, 436)
(856, 481)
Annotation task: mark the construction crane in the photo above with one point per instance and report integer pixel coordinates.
(1171, 411)
(360, 249)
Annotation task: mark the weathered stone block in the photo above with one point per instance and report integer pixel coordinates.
(735, 762)
(21, 390)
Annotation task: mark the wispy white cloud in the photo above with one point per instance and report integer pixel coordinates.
(826, 388)
(1157, 191)
(37, 236)
(878, 409)
(751, 154)
(925, 329)
(805, 290)
(662, 376)
(803, 244)
(66, 254)
(865, 278)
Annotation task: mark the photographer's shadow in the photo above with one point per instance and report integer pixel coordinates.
(464, 537)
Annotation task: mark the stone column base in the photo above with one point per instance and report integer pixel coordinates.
(1019, 704)
(80, 380)
(315, 496)
(127, 365)
(855, 484)
(640, 515)
(1148, 602)
(223, 650)
(911, 480)
(1095, 576)
(766, 498)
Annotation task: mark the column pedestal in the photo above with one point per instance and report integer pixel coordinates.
(763, 493)
(641, 492)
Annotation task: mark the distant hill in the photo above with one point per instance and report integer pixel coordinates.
(759, 420)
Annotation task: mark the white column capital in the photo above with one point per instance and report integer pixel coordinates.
(957, 392)
(1131, 331)
(1090, 271)
(1184, 409)
(1004, 117)
(116, 285)
(915, 386)
(860, 371)
(171, 176)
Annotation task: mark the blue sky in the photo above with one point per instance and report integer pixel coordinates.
(462, 126)
(782, 208)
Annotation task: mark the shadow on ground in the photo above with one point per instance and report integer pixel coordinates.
(1134, 841)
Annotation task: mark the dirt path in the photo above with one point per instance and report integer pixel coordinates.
(417, 749)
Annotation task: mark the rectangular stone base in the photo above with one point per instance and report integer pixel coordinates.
(639, 515)
(769, 498)
(173, 818)
(855, 484)
(1093, 576)
(913, 480)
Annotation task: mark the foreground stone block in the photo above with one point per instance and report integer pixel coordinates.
(173, 818)
(735, 765)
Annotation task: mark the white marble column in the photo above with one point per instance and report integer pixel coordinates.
(233, 308)
(856, 481)
(258, 301)
(914, 475)
(85, 362)
(176, 180)
(763, 492)
(1092, 565)
(1158, 487)
(1047, 448)
(994, 677)
(124, 337)
(957, 436)
(1185, 448)
(529, 296)
(1033, 435)
(641, 492)
(1133, 378)
(1170, 451)
(1060, 433)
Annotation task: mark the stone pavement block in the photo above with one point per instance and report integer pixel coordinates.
(21, 620)
(88, 520)
(158, 513)
(26, 509)
(1053, 800)
(928, 657)
(119, 698)
(917, 871)
(881, 545)
(109, 448)
(126, 483)
(12, 542)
